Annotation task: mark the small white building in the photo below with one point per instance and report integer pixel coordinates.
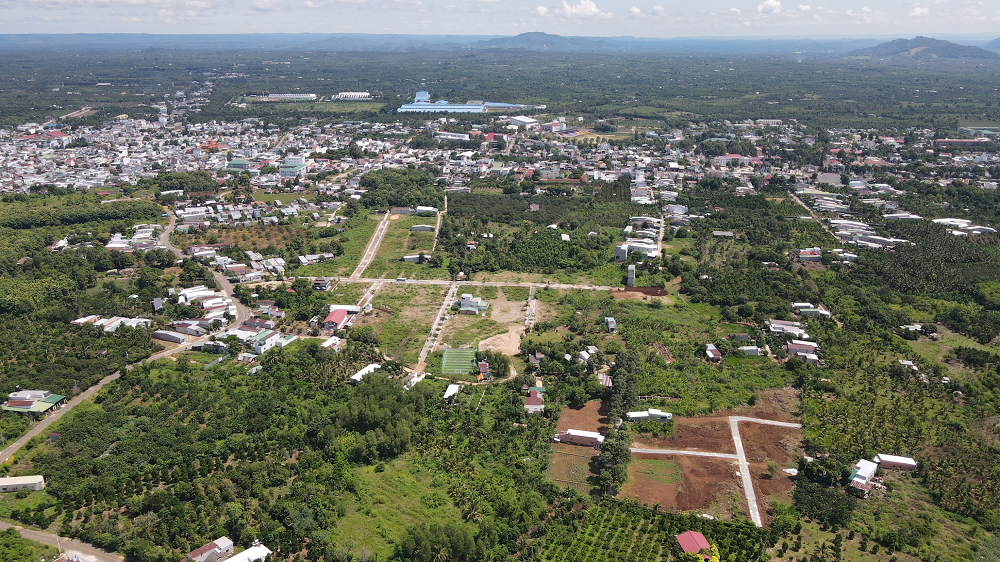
(893, 461)
(15, 483)
(357, 377)
(650, 414)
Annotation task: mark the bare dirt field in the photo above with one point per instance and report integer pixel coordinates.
(593, 416)
(698, 434)
(779, 404)
(508, 344)
(780, 484)
(767, 442)
(685, 484)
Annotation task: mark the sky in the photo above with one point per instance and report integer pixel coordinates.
(640, 18)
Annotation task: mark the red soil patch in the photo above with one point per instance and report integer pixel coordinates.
(593, 416)
(780, 484)
(703, 482)
(767, 442)
(698, 434)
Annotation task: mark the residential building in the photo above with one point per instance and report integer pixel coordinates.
(215, 551)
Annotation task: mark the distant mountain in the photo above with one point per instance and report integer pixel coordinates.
(993, 45)
(538, 41)
(922, 49)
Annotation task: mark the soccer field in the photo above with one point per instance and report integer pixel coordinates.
(458, 361)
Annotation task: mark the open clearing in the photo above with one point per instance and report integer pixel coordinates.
(697, 434)
(593, 416)
(685, 484)
(509, 344)
(402, 316)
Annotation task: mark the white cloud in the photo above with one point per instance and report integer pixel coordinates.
(541, 11)
(918, 12)
(586, 9)
(265, 5)
(769, 7)
(633, 11)
(867, 10)
(734, 10)
(805, 7)
(125, 19)
(659, 11)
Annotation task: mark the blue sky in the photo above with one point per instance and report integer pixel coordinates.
(643, 18)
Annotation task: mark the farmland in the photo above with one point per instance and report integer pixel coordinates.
(628, 531)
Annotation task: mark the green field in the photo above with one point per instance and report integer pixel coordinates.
(457, 361)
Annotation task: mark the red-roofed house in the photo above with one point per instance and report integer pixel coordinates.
(335, 320)
(694, 542)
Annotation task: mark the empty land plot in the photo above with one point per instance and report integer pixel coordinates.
(697, 434)
(345, 292)
(458, 361)
(762, 443)
(400, 241)
(357, 233)
(705, 484)
(402, 318)
(593, 416)
(572, 466)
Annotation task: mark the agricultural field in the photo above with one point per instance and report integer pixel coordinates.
(399, 494)
(402, 317)
(628, 531)
(259, 238)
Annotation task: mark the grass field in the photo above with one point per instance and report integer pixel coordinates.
(402, 318)
(358, 233)
(458, 361)
(399, 241)
(403, 494)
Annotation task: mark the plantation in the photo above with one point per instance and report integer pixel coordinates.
(611, 530)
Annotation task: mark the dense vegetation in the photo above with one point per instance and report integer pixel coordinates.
(390, 187)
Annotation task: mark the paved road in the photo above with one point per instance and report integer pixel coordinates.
(481, 283)
(728, 456)
(372, 248)
(734, 427)
(86, 551)
(529, 310)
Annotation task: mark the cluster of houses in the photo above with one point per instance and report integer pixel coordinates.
(111, 324)
(144, 238)
(863, 477)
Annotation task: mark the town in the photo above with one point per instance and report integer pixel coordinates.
(493, 330)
